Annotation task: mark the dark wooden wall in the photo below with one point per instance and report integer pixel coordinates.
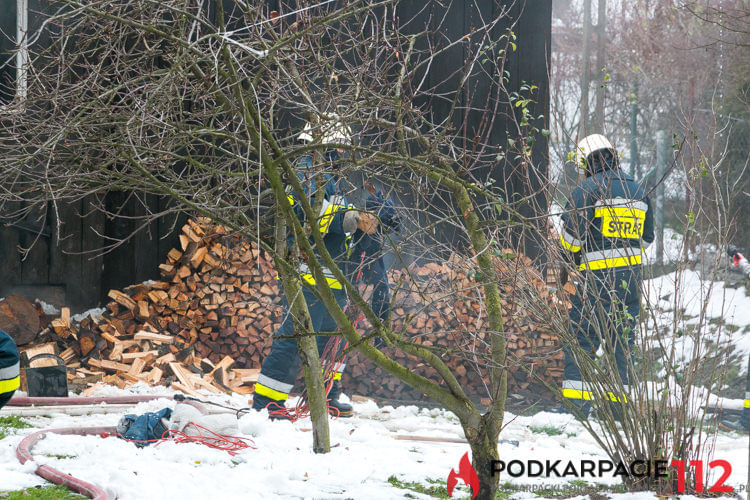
(68, 267)
(60, 271)
(531, 21)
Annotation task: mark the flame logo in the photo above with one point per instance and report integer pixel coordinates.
(467, 474)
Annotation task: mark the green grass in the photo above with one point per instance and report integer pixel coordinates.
(12, 422)
(436, 489)
(42, 493)
(546, 429)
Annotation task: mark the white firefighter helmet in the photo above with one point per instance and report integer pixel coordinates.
(590, 144)
(331, 131)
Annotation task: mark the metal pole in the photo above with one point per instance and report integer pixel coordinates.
(661, 167)
(22, 56)
(635, 168)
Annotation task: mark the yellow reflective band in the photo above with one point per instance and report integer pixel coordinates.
(614, 398)
(586, 395)
(263, 390)
(621, 222)
(337, 376)
(747, 403)
(290, 198)
(593, 265)
(327, 217)
(576, 394)
(332, 282)
(10, 385)
(568, 246)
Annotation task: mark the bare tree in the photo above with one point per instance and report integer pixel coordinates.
(200, 103)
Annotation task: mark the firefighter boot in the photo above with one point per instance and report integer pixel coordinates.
(276, 409)
(335, 407)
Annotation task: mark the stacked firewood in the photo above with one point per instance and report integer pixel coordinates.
(438, 306)
(217, 306)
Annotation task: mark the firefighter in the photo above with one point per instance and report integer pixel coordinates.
(371, 245)
(741, 263)
(606, 226)
(336, 223)
(9, 368)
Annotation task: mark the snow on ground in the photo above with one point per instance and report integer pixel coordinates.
(364, 455)
(701, 301)
(673, 249)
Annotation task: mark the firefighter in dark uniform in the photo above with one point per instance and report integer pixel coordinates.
(9, 368)
(606, 225)
(337, 222)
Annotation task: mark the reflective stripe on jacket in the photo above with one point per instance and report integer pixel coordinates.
(9, 364)
(608, 221)
(330, 219)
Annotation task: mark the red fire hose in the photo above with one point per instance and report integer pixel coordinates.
(25, 401)
(23, 452)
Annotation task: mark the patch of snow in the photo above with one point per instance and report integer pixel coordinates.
(48, 309)
(673, 247)
(95, 313)
(702, 301)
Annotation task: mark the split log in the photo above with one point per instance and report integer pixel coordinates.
(19, 319)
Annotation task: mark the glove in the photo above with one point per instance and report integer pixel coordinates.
(367, 223)
(384, 210)
(351, 221)
(732, 250)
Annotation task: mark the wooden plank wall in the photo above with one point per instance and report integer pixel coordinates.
(531, 21)
(66, 267)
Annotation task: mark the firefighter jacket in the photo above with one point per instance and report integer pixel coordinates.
(373, 267)
(608, 221)
(9, 368)
(330, 219)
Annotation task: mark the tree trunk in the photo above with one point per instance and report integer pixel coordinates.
(306, 345)
(316, 393)
(601, 51)
(483, 443)
(308, 352)
(635, 169)
(583, 126)
(483, 433)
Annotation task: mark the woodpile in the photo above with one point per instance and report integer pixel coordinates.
(204, 325)
(439, 306)
(208, 324)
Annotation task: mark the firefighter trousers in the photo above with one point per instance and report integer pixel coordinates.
(280, 368)
(604, 313)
